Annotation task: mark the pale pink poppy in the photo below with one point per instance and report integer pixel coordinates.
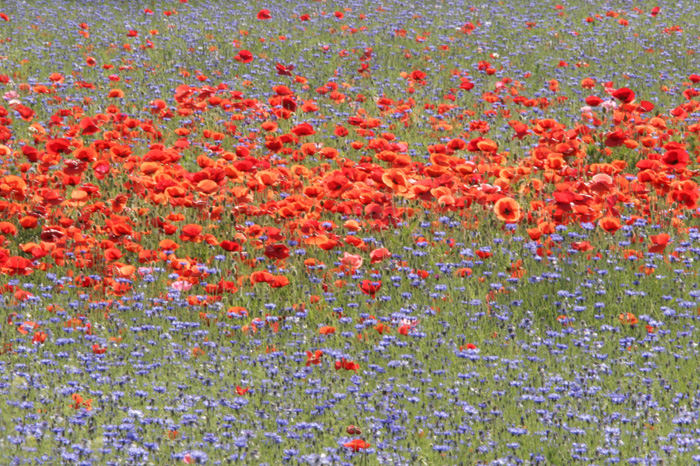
(609, 105)
(379, 255)
(181, 285)
(601, 183)
(352, 261)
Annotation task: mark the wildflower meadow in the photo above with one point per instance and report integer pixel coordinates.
(349, 232)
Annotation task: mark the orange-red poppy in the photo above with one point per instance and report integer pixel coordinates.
(207, 187)
(7, 228)
(346, 365)
(487, 145)
(659, 242)
(191, 232)
(115, 94)
(627, 318)
(241, 390)
(244, 56)
(378, 255)
(609, 224)
(624, 94)
(396, 180)
(80, 402)
(507, 210)
(168, 245)
(39, 337)
(313, 358)
(357, 445)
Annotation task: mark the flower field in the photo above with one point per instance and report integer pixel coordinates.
(349, 233)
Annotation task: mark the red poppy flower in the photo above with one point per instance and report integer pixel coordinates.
(58, 146)
(379, 255)
(313, 358)
(241, 391)
(659, 242)
(645, 106)
(624, 94)
(74, 167)
(676, 158)
(687, 196)
(303, 129)
(593, 100)
(80, 402)
(627, 318)
(264, 14)
(278, 281)
(347, 365)
(115, 94)
(112, 254)
(16, 265)
(507, 210)
(25, 112)
(370, 287)
(277, 251)
(244, 56)
(230, 246)
(191, 232)
(207, 187)
(357, 445)
(284, 70)
(582, 246)
(382, 328)
(483, 254)
(7, 228)
(609, 224)
(601, 183)
(615, 138)
(487, 145)
(466, 84)
(587, 83)
(39, 337)
(282, 90)
(396, 180)
(329, 153)
(261, 276)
